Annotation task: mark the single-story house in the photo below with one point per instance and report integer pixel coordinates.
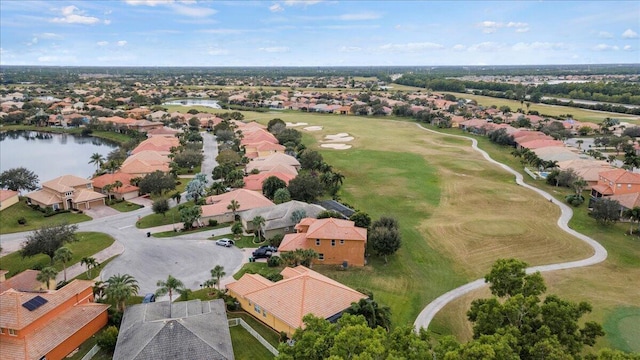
(183, 330)
(282, 305)
(124, 192)
(254, 181)
(216, 208)
(8, 198)
(278, 218)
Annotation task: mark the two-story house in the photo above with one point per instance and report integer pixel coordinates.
(67, 192)
(616, 182)
(337, 242)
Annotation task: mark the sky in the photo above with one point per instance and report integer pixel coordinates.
(317, 33)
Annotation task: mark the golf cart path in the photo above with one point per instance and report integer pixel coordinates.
(600, 253)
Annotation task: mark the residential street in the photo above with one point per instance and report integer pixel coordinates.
(600, 253)
(187, 257)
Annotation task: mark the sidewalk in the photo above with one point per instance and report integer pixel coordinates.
(76, 269)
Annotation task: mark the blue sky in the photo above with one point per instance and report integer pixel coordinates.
(317, 33)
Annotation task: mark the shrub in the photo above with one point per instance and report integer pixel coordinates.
(107, 340)
(574, 200)
(22, 221)
(274, 261)
(275, 277)
(213, 222)
(276, 240)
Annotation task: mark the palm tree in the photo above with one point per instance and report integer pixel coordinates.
(258, 222)
(218, 272)
(97, 159)
(633, 215)
(46, 275)
(91, 264)
(117, 185)
(234, 205)
(307, 256)
(98, 289)
(121, 288)
(112, 166)
(108, 188)
(218, 187)
(580, 142)
(176, 197)
(63, 255)
(237, 230)
(168, 287)
(579, 186)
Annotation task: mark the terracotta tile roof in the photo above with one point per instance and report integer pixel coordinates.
(7, 194)
(603, 189)
(535, 144)
(291, 242)
(24, 281)
(264, 146)
(53, 333)
(158, 144)
(44, 197)
(254, 181)
(65, 183)
(14, 316)
(629, 201)
(336, 229)
(292, 298)
(621, 176)
(270, 162)
(102, 180)
(249, 283)
(87, 195)
(247, 199)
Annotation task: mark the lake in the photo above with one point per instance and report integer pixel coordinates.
(51, 155)
(191, 102)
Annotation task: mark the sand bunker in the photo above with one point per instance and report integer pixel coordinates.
(313, 128)
(336, 146)
(289, 124)
(341, 137)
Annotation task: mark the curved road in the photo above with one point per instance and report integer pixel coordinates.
(600, 253)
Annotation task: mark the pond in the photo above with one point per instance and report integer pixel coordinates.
(191, 102)
(51, 155)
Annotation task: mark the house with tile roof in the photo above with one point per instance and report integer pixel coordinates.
(67, 192)
(216, 208)
(540, 143)
(124, 192)
(336, 241)
(25, 281)
(278, 218)
(145, 162)
(269, 163)
(8, 198)
(48, 324)
(282, 305)
(262, 149)
(254, 181)
(183, 330)
(616, 182)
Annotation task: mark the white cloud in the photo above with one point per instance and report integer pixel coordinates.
(486, 46)
(72, 15)
(489, 27)
(605, 35)
(218, 51)
(301, 2)
(348, 49)
(458, 47)
(190, 11)
(534, 46)
(275, 49)
(605, 47)
(102, 43)
(156, 2)
(627, 48)
(107, 21)
(276, 8)
(33, 41)
(122, 43)
(225, 31)
(360, 16)
(411, 47)
(629, 34)
(49, 36)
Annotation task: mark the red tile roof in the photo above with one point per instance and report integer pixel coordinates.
(621, 176)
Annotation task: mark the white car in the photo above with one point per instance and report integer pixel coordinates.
(225, 242)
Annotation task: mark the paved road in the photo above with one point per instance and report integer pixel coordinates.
(600, 253)
(210, 149)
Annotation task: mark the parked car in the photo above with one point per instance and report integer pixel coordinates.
(262, 253)
(225, 242)
(149, 298)
(269, 247)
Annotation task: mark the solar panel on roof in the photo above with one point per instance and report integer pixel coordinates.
(35, 303)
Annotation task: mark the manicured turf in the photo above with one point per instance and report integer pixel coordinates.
(170, 217)
(256, 268)
(125, 206)
(623, 328)
(246, 347)
(267, 333)
(35, 219)
(94, 271)
(88, 244)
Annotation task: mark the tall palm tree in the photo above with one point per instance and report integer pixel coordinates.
(168, 287)
(121, 288)
(633, 215)
(112, 166)
(90, 262)
(63, 255)
(234, 205)
(258, 222)
(117, 185)
(97, 159)
(218, 272)
(46, 275)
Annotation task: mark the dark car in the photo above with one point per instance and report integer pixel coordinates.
(262, 253)
(149, 298)
(269, 247)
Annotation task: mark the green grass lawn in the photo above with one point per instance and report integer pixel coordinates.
(257, 268)
(246, 347)
(125, 206)
(35, 219)
(623, 328)
(266, 332)
(88, 244)
(171, 233)
(94, 271)
(170, 217)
